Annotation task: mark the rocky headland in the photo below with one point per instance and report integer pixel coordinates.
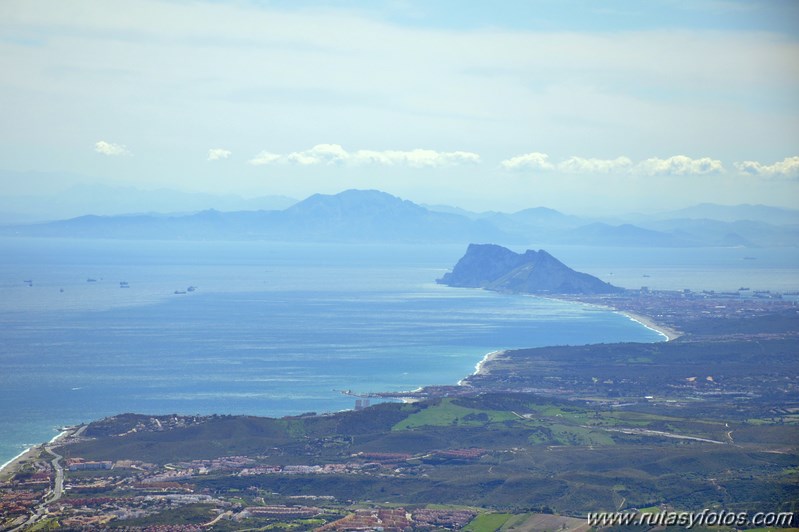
(497, 268)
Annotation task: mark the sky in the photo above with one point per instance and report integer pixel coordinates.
(588, 107)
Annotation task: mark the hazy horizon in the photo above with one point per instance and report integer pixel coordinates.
(110, 200)
(584, 108)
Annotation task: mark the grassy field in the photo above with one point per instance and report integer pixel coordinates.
(488, 522)
(555, 423)
(448, 413)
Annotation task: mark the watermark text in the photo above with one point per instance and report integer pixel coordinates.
(691, 519)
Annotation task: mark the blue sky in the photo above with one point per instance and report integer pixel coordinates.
(583, 106)
(572, 15)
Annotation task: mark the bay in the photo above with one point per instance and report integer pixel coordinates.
(271, 329)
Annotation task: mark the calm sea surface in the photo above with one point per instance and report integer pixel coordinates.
(278, 329)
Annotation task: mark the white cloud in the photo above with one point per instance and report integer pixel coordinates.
(572, 165)
(580, 165)
(215, 154)
(264, 157)
(417, 158)
(788, 167)
(675, 165)
(107, 148)
(334, 154)
(678, 165)
(320, 154)
(528, 161)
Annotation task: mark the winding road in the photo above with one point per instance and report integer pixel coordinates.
(58, 484)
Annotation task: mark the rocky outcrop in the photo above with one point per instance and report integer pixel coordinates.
(532, 272)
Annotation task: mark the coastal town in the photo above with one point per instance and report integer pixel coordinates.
(675, 312)
(95, 493)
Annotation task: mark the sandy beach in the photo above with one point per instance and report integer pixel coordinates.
(480, 368)
(28, 455)
(667, 332)
(31, 454)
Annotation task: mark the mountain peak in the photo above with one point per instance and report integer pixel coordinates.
(363, 202)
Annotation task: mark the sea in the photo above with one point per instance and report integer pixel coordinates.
(93, 328)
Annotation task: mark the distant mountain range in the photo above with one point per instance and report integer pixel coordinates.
(112, 200)
(734, 213)
(532, 272)
(374, 216)
(702, 225)
(352, 215)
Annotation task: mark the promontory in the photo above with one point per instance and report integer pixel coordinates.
(497, 268)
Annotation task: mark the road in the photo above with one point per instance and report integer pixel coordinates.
(58, 484)
(647, 432)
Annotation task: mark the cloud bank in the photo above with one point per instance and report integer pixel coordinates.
(528, 161)
(580, 165)
(788, 167)
(335, 154)
(110, 149)
(677, 165)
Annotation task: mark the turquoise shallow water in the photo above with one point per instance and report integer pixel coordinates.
(272, 329)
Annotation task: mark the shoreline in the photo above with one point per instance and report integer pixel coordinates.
(667, 332)
(10, 467)
(479, 368)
